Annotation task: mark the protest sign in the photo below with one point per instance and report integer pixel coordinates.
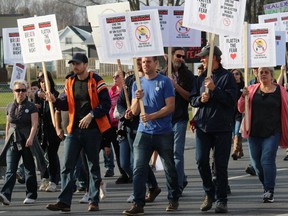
(18, 73)
(39, 39)
(173, 32)
(12, 47)
(223, 17)
(93, 13)
(261, 48)
(133, 34)
(277, 7)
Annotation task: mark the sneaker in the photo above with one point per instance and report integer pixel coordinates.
(52, 187)
(268, 197)
(44, 184)
(123, 179)
(250, 170)
(81, 189)
(109, 173)
(102, 190)
(207, 203)
(221, 207)
(130, 199)
(29, 201)
(20, 178)
(173, 206)
(152, 194)
(93, 207)
(85, 199)
(4, 199)
(59, 206)
(134, 210)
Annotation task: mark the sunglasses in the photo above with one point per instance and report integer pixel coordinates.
(116, 77)
(20, 90)
(180, 56)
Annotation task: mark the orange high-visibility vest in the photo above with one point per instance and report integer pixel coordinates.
(93, 89)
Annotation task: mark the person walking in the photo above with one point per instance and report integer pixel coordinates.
(21, 130)
(268, 126)
(154, 133)
(88, 102)
(214, 124)
(237, 136)
(183, 80)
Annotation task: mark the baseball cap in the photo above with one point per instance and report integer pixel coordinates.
(79, 58)
(205, 51)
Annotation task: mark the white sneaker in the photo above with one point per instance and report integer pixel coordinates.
(44, 184)
(52, 187)
(4, 199)
(29, 201)
(85, 198)
(130, 198)
(103, 190)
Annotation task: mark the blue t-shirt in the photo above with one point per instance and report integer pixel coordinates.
(155, 92)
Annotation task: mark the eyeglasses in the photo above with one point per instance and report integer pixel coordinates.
(116, 77)
(180, 56)
(20, 90)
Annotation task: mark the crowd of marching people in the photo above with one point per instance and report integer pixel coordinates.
(143, 114)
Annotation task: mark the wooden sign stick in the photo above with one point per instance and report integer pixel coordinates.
(211, 54)
(246, 74)
(47, 85)
(142, 110)
(124, 85)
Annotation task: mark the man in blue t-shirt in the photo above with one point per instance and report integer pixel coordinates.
(154, 133)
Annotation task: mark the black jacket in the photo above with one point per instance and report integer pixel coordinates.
(217, 115)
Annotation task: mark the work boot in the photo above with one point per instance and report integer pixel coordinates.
(207, 203)
(235, 148)
(240, 147)
(152, 194)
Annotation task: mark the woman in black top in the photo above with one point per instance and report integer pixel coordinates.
(21, 129)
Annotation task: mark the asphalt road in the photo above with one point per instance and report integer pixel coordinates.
(246, 197)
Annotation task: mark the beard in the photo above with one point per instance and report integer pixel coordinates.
(177, 65)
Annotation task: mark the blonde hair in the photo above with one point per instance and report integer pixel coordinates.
(19, 81)
(271, 69)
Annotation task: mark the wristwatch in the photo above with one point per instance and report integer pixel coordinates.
(92, 114)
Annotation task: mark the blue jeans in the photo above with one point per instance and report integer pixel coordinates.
(89, 140)
(126, 152)
(236, 131)
(221, 142)
(12, 159)
(263, 153)
(109, 159)
(179, 129)
(144, 145)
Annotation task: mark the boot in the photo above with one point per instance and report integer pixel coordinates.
(235, 148)
(240, 148)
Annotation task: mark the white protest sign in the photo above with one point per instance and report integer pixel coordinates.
(283, 20)
(232, 51)
(93, 13)
(19, 71)
(270, 18)
(280, 40)
(39, 39)
(261, 48)
(130, 35)
(12, 47)
(173, 32)
(223, 17)
(262, 45)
